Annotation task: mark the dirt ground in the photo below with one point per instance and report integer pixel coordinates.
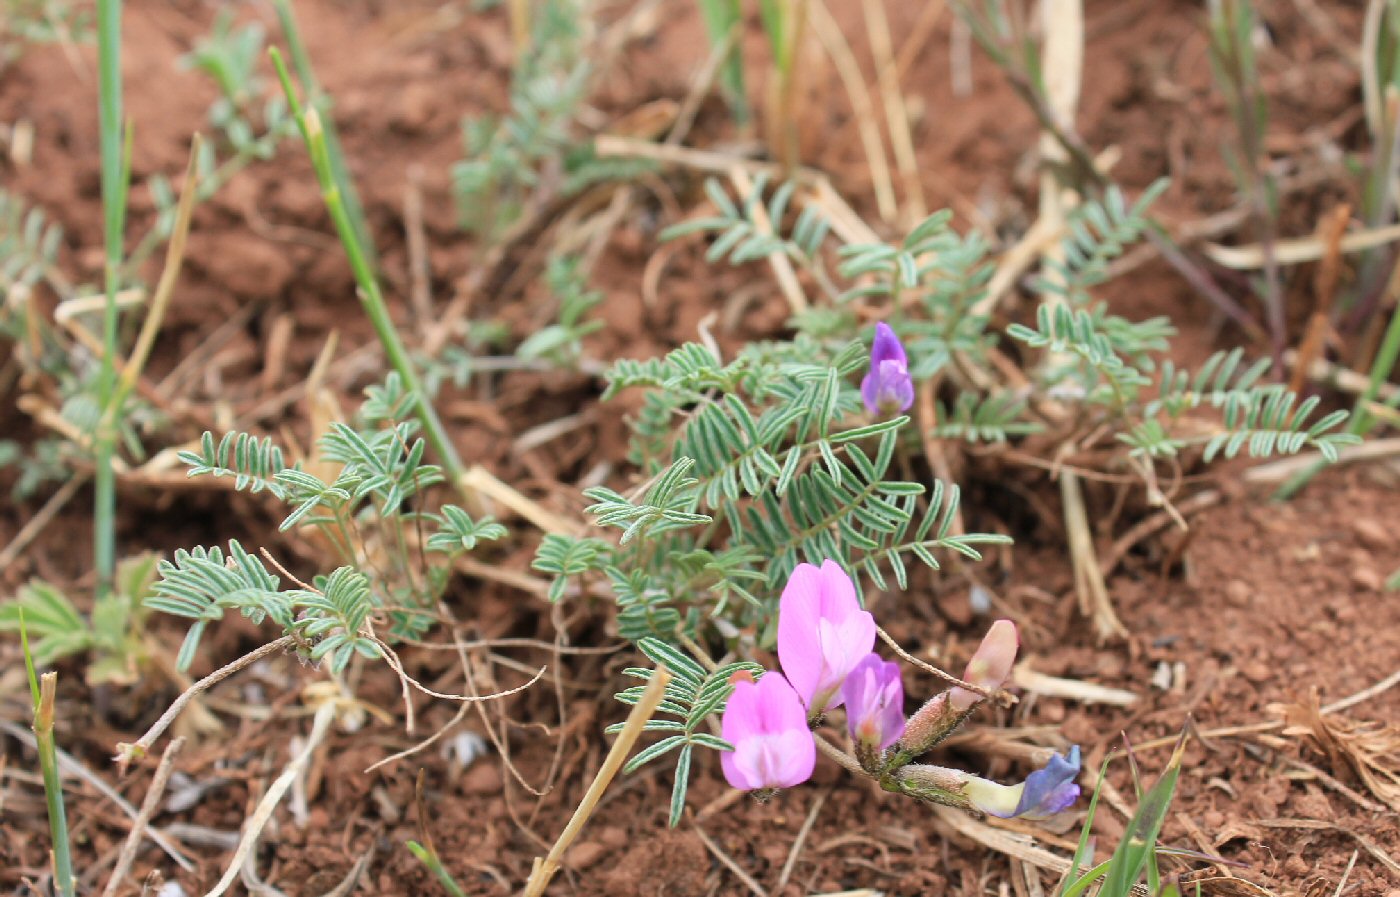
(1262, 610)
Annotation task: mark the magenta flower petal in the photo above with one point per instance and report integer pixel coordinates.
(766, 723)
(887, 388)
(874, 697)
(822, 633)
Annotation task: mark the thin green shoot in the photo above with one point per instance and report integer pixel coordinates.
(424, 848)
(115, 173)
(42, 691)
(371, 297)
(335, 158)
(429, 858)
(723, 18)
(1136, 855)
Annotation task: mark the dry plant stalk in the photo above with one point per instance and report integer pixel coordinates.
(320, 726)
(546, 866)
(143, 818)
(862, 104)
(782, 265)
(1330, 231)
(877, 31)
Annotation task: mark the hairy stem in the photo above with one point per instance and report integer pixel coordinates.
(109, 18)
(335, 193)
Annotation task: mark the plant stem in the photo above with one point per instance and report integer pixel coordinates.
(109, 18)
(301, 61)
(371, 297)
(48, 765)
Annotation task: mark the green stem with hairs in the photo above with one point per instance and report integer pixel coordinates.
(42, 693)
(371, 296)
(114, 180)
(301, 61)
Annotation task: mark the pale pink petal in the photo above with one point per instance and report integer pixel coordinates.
(779, 705)
(796, 752)
(743, 714)
(838, 592)
(767, 724)
(991, 665)
(739, 766)
(799, 643)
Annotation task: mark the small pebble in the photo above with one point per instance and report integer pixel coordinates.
(1257, 671)
(1366, 578)
(1237, 592)
(1372, 533)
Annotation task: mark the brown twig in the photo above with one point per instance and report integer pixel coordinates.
(143, 817)
(1002, 697)
(799, 841)
(1324, 293)
(134, 751)
(252, 829)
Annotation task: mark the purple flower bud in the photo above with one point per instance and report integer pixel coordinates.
(1044, 793)
(822, 633)
(874, 697)
(773, 746)
(887, 388)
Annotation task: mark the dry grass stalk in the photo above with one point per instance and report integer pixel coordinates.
(546, 866)
(1324, 292)
(1282, 469)
(728, 862)
(1089, 584)
(143, 818)
(862, 104)
(320, 726)
(791, 862)
(877, 31)
(782, 265)
(1072, 689)
(479, 480)
(1296, 251)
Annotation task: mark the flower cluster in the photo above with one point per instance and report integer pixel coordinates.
(826, 644)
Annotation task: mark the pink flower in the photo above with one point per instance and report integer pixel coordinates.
(887, 389)
(874, 697)
(990, 665)
(822, 633)
(773, 747)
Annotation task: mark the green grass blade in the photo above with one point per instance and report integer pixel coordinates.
(1140, 840)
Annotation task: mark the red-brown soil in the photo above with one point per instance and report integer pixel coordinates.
(1264, 605)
